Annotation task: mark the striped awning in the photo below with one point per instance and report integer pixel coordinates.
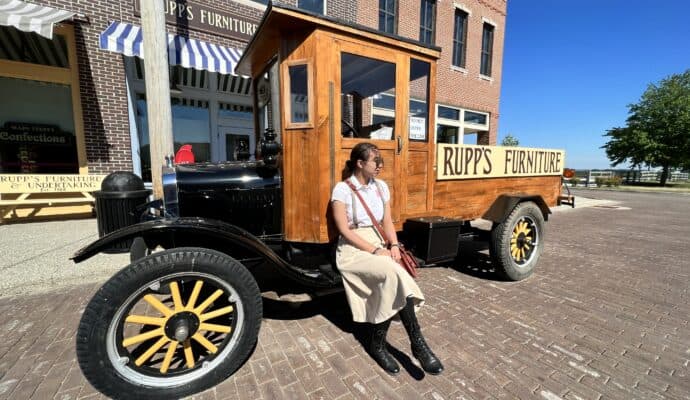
(29, 17)
(126, 39)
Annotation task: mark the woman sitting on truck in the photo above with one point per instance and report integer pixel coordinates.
(377, 288)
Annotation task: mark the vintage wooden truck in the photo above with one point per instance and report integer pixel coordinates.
(180, 320)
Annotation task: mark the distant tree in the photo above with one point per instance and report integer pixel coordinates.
(657, 133)
(510, 140)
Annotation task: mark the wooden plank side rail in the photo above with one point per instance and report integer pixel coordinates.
(43, 190)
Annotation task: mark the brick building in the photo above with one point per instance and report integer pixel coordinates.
(88, 103)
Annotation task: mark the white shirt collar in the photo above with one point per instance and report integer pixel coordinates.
(359, 186)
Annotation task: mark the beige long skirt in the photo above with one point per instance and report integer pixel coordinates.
(376, 286)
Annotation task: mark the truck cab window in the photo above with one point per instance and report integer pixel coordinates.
(367, 97)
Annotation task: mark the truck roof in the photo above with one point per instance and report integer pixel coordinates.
(282, 17)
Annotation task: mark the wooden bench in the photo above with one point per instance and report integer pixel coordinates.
(42, 190)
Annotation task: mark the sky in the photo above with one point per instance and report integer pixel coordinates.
(571, 68)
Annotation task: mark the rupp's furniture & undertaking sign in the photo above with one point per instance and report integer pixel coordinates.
(204, 18)
(27, 183)
(470, 161)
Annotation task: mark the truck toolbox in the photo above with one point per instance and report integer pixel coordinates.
(433, 239)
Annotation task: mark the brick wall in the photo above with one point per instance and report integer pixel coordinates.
(102, 76)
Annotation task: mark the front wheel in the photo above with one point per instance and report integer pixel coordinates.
(169, 325)
(516, 243)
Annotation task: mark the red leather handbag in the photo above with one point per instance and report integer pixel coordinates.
(407, 260)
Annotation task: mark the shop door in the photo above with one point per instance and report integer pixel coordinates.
(233, 139)
(367, 111)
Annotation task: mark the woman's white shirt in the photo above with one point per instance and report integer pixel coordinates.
(370, 194)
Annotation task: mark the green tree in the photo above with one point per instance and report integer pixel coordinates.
(657, 133)
(510, 140)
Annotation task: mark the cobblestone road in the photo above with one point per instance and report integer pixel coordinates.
(605, 316)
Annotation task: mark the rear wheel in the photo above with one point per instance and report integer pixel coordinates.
(169, 325)
(516, 243)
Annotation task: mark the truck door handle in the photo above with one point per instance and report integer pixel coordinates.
(399, 144)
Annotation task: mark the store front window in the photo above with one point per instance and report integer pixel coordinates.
(37, 134)
(191, 125)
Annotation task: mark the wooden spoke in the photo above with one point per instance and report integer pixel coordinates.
(216, 313)
(194, 295)
(145, 320)
(151, 351)
(168, 357)
(188, 354)
(205, 342)
(155, 303)
(142, 337)
(208, 301)
(214, 328)
(177, 299)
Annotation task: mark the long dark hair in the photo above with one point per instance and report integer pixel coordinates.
(361, 151)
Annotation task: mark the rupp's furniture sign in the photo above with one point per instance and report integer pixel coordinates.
(35, 183)
(201, 17)
(464, 161)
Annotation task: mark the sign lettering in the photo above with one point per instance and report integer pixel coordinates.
(472, 161)
(31, 183)
(190, 14)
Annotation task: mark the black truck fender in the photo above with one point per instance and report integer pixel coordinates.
(206, 233)
(505, 203)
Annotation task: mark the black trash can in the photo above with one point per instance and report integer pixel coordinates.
(121, 193)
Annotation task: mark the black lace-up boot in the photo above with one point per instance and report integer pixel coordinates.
(377, 347)
(421, 350)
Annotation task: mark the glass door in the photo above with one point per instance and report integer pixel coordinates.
(236, 143)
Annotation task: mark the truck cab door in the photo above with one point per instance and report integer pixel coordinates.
(365, 110)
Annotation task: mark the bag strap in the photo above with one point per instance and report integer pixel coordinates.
(376, 224)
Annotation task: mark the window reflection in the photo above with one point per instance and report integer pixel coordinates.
(366, 82)
(419, 99)
(191, 125)
(299, 93)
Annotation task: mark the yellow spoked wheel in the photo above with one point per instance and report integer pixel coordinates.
(178, 327)
(169, 325)
(515, 244)
(523, 240)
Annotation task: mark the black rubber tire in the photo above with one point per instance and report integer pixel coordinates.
(93, 327)
(500, 245)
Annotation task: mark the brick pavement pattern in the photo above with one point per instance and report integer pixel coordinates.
(605, 316)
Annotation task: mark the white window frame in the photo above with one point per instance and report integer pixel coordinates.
(461, 124)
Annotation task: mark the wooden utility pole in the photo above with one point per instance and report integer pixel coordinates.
(157, 88)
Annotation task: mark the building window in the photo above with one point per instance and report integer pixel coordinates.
(487, 49)
(427, 19)
(457, 125)
(387, 16)
(316, 6)
(460, 38)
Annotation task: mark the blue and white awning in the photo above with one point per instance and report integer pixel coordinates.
(126, 39)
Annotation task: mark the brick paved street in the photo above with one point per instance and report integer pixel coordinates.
(605, 316)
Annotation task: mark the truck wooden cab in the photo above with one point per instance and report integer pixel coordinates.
(341, 85)
(180, 320)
